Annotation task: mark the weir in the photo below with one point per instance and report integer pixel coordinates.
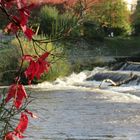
(129, 71)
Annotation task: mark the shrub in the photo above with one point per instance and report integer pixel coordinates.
(48, 17)
(4, 20)
(8, 64)
(52, 23)
(92, 31)
(60, 68)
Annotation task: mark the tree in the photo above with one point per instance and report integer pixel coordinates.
(136, 19)
(112, 15)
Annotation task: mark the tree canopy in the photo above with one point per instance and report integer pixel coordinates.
(111, 14)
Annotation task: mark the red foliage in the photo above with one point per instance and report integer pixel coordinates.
(36, 67)
(9, 136)
(20, 129)
(20, 20)
(18, 93)
(22, 126)
(28, 33)
(47, 1)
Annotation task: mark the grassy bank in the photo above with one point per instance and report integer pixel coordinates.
(85, 54)
(128, 46)
(117, 46)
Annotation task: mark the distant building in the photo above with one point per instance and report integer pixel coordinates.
(131, 4)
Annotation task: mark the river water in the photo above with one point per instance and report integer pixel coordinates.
(75, 108)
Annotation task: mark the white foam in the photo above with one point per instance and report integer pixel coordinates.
(78, 81)
(73, 80)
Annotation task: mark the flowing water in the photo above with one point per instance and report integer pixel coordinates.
(75, 108)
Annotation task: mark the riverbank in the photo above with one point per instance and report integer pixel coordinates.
(80, 54)
(85, 54)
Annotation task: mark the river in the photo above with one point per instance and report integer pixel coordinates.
(75, 108)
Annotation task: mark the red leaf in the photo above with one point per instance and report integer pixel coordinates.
(11, 93)
(9, 136)
(21, 94)
(28, 33)
(27, 58)
(37, 68)
(44, 56)
(32, 70)
(24, 14)
(18, 93)
(22, 126)
(11, 27)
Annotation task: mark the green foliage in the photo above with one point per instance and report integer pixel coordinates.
(59, 64)
(60, 68)
(48, 17)
(136, 19)
(8, 64)
(113, 16)
(93, 31)
(52, 23)
(3, 20)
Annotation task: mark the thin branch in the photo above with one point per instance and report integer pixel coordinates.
(20, 45)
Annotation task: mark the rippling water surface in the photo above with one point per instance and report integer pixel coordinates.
(76, 109)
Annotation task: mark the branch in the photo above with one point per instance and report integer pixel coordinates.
(131, 77)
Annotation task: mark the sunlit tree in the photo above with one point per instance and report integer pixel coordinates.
(112, 15)
(136, 19)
